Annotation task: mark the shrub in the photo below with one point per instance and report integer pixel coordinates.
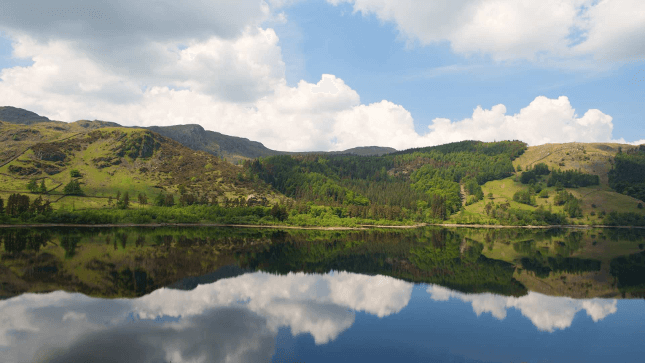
(73, 188)
(524, 197)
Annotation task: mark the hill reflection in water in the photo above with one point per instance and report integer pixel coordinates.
(224, 294)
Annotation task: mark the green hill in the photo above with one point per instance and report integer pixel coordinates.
(111, 160)
(469, 182)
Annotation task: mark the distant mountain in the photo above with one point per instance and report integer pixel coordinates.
(232, 148)
(19, 116)
(235, 149)
(367, 151)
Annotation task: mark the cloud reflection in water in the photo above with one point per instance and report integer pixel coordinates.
(547, 313)
(233, 320)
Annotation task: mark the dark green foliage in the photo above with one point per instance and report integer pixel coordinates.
(422, 183)
(143, 199)
(572, 179)
(187, 199)
(123, 202)
(17, 204)
(160, 199)
(511, 148)
(73, 188)
(562, 197)
(543, 266)
(32, 186)
(524, 197)
(541, 169)
(75, 173)
(623, 219)
(520, 217)
(528, 177)
(69, 243)
(474, 191)
(42, 189)
(279, 212)
(628, 174)
(630, 273)
(18, 240)
(572, 208)
(423, 256)
(543, 193)
(571, 204)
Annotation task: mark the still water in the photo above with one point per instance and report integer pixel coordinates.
(228, 295)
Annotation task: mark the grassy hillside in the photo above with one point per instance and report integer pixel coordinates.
(595, 201)
(464, 182)
(592, 158)
(113, 160)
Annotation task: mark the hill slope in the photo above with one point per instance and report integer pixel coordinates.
(232, 148)
(116, 159)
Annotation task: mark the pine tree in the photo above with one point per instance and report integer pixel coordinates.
(32, 186)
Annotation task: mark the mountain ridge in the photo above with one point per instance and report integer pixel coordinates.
(194, 136)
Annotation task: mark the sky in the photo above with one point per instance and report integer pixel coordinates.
(302, 75)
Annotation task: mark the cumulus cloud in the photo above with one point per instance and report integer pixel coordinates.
(230, 77)
(129, 35)
(511, 29)
(547, 313)
(543, 121)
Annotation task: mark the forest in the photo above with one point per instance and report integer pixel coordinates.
(420, 184)
(628, 174)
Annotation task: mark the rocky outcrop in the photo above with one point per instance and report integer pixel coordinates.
(48, 152)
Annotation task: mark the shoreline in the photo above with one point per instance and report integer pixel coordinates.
(320, 228)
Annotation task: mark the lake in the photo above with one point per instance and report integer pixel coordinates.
(253, 295)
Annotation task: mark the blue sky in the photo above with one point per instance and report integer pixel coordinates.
(368, 55)
(334, 74)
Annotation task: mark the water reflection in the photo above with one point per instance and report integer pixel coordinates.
(129, 262)
(234, 319)
(230, 294)
(547, 313)
(237, 319)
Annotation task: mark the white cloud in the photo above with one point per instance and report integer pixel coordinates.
(519, 29)
(547, 313)
(234, 82)
(543, 121)
(63, 84)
